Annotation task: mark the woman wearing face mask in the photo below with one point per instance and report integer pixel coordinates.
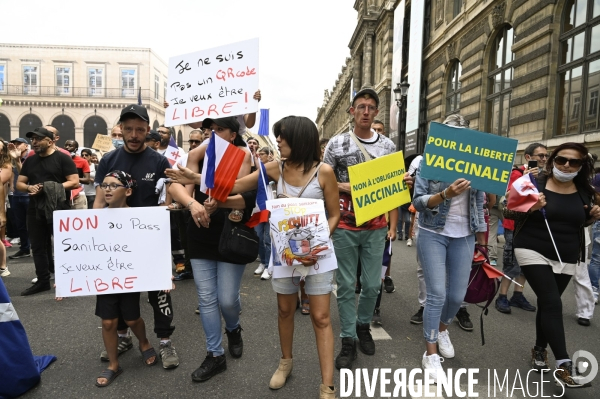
(567, 196)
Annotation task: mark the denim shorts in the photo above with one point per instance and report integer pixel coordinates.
(315, 284)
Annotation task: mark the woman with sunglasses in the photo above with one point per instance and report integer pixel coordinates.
(567, 198)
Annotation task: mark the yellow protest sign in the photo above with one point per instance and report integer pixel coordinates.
(378, 186)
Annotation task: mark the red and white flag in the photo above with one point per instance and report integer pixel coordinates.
(523, 194)
(173, 153)
(222, 163)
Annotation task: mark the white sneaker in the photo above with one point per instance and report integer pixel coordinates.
(266, 275)
(409, 242)
(444, 345)
(4, 272)
(34, 280)
(15, 241)
(431, 364)
(595, 294)
(259, 270)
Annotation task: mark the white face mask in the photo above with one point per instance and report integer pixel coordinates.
(563, 177)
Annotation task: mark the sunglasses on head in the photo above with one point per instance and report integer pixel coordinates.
(574, 162)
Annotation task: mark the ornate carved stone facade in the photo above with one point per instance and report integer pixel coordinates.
(370, 65)
(531, 83)
(510, 69)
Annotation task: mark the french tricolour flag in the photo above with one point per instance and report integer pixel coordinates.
(20, 369)
(523, 194)
(263, 194)
(222, 163)
(173, 153)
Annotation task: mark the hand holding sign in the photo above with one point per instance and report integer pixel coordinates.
(458, 187)
(484, 159)
(217, 82)
(106, 251)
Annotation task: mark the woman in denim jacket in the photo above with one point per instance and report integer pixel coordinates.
(450, 218)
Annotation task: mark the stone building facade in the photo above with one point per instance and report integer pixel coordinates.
(78, 89)
(526, 69)
(369, 65)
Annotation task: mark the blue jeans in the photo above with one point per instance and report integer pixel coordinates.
(594, 266)
(264, 242)
(218, 287)
(403, 222)
(19, 205)
(446, 264)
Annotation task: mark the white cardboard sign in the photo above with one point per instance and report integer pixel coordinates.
(212, 83)
(299, 228)
(112, 251)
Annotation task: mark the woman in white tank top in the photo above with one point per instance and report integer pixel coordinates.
(298, 142)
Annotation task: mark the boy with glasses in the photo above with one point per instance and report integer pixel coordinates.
(118, 187)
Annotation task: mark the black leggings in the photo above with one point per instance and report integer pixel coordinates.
(548, 288)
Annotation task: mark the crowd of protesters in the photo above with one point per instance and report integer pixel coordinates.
(448, 222)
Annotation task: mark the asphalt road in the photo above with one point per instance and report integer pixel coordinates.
(70, 331)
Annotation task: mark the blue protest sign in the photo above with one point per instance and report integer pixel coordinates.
(483, 158)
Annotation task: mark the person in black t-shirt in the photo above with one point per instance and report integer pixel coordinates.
(146, 166)
(45, 166)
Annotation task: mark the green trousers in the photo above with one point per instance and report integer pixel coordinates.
(350, 246)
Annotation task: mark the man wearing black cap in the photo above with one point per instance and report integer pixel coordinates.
(365, 242)
(146, 166)
(153, 140)
(47, 165)
(19, 202)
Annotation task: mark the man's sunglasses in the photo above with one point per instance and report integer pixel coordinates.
(574, 162)
(194, 142)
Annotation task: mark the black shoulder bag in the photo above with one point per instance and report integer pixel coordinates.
(238, 243)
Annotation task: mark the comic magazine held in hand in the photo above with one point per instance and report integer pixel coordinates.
(299, 230)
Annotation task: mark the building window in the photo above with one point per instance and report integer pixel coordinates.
(579, 68)
(576, 103)
(499, 83)
(96, 81)
(128, 81)
(63, 81)
(2, 78)
(453, 89)
(30, 79)
(156, 86)
(593, 103)
(456, 8)
(165, 91)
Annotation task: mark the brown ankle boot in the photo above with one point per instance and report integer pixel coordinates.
(326, 392)
(281, 374)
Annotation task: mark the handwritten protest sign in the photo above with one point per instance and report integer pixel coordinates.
(484, 159)
(213, 83)
(112, 251)
(103, 143)
(378, 186)
(299, 228)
